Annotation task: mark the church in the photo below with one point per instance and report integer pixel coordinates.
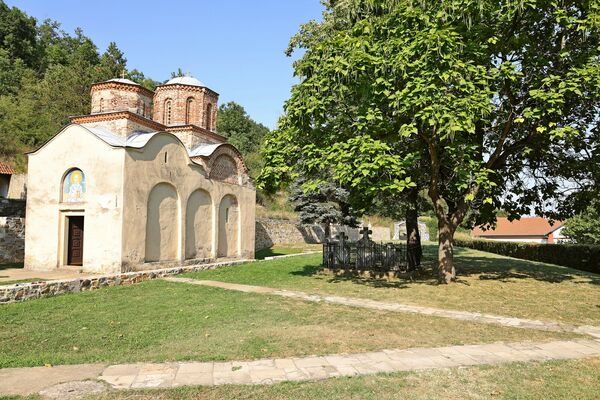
(142, 182)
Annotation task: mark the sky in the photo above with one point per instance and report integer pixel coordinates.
(236, 47)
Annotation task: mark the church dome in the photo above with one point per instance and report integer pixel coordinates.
(185, 80)
(123, 80)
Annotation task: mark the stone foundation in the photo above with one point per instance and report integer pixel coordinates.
(29, 291)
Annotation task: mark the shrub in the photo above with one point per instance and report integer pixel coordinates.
(578, 256)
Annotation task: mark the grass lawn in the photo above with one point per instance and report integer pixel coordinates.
(487, 283)
(281, 250)
(548, 380)
(162, 321)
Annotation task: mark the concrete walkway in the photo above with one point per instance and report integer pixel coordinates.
(404, 308)
(267, 371)
(18, 274)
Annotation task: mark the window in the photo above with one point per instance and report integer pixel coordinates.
(208, 117)
(168, 112)
(74, 185)
(101, 104)
(188, 110)
(143, 108)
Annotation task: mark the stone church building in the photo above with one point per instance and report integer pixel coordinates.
(143, 178)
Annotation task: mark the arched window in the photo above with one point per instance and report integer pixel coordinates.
(208, 117)
(189, 107)
(74, 186)
(168, 111)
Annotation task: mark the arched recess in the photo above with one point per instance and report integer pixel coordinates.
(198, 225)
(228, 227)
(162, 224)
(73, 186)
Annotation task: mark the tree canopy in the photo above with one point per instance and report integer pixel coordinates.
(485, 95)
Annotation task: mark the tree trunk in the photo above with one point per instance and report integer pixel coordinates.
(413, 238)
(446, 271)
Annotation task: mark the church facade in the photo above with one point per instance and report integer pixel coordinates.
(144, 178)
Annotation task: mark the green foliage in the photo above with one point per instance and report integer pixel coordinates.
(45, 76)
(486, 95)
(325, 204)
(584, 228)
(577, 256)
(243, 132)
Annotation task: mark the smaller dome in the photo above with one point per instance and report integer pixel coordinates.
(122, 80)
(185, 80)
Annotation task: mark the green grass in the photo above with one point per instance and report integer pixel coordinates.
(486, 283)
(281, 250)
(163, 321)
(547, 380)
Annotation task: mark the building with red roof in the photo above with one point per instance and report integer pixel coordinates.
(526, 229)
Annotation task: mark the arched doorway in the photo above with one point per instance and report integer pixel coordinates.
(228, 227)
(198, 225)
(162, 224)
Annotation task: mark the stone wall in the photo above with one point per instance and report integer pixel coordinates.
(12, 239)
(29, 291)
(400, 231)
(12, 230)
(12, 208)
(271, 232)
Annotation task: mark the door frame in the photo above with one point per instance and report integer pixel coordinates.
(63, 251)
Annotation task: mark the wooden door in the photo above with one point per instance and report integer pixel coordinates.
(75, 241)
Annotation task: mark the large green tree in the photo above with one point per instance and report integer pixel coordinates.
(481, 92)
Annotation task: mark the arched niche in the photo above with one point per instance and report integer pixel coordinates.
(198, 225)
(229, 227)
(162, 224)
(73, 186)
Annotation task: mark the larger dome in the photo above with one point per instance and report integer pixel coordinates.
(185, 80)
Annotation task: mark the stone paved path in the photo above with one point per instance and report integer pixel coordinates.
(268, 371)
(405, 308)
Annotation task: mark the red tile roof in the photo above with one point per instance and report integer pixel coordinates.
(6, 169)
(526, 226)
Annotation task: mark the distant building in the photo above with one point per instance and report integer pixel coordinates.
(148, 179)
(6, 172)
(526, 229)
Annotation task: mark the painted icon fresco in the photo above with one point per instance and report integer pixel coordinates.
(74, 186)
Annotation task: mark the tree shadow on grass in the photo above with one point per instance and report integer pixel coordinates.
(469, 264)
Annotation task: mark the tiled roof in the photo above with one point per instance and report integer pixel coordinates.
(6, 169)
(526, 226)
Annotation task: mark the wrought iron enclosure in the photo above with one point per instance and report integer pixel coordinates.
(364, 254)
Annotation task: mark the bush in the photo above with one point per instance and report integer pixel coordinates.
(578, 256)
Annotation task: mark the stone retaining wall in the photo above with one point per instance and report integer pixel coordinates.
(12, 208)
(12, 239)
(28, 291)
(271, 232)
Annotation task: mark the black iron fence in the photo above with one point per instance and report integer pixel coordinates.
(364, 254)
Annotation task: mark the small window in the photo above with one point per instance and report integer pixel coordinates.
(189, 107)
(101, 104)
(227, 215)
(209, 117)
(166, 157)
(74, 186)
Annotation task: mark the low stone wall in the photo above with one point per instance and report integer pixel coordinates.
(12, 208)
(28, 291)
(271, 232)
(12, 239)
